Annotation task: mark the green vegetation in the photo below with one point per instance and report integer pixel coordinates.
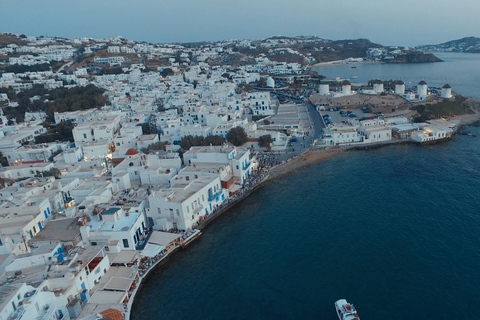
(60, 132)
(256, 118)
(445, 108)
(166, 72)
(54, 172)
(20, 68)
(56, 100)
(237, 136)
(191, 141)
(265, 141)
(155, 147)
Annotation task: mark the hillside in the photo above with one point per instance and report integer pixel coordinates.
(465, 45)
(311, 50)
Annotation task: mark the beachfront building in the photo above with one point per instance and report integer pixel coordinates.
(338, 135)
(238, 158)
(127, 227)
(186, 202)
(374, 130)
(434, 130)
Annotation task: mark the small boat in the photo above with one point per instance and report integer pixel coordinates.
(345, 310)
(354, 67)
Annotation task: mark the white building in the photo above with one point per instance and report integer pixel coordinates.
(346, 88)
(422, 90)
(115, 224)
(378, 86)
(324, 89)
(27, 302)
(400, 88)
(187, 201)
(237, 158)
(446, 91)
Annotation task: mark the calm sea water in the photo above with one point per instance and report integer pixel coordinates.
(461, 71)
(393, 230)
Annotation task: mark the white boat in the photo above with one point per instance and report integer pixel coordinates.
(345, 310)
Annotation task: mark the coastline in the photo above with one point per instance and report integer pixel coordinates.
(301, 161)
(343, 63)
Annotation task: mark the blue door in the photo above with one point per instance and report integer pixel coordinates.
(40, 225)
(45, 213)
(31, 234)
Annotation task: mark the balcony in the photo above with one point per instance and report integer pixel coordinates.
(246, 166)
(215, 196)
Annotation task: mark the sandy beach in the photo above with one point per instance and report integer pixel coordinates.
(342, 63)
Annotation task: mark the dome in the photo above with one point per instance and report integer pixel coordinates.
(422, 83)
(346, 83)
(131, 152)
(446, 86)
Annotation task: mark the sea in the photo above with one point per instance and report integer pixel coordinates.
(395, 231)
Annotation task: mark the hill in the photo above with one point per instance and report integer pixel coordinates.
(465, 45)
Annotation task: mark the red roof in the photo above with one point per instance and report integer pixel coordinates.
(112, 314)
(131, 152)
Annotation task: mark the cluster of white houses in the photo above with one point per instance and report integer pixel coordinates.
(384, 129)
(378, 88)
(75, 239)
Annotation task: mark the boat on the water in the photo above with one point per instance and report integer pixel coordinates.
(345, 310)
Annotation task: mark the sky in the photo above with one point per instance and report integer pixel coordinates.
(402, 23)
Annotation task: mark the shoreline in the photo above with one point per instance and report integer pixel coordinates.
(307, 158)
(337, 63)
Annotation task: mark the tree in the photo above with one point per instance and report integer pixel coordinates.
(166, 72)
(237, 136)
(52, 172)
(265, 141)
(214, 141)
(190, 141)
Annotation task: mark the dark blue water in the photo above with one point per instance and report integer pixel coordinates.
(394, 231)
(461, 71)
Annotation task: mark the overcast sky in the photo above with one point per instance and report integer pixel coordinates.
(404, 23)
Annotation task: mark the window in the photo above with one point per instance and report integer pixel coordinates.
(85, 136)
(203, 197)
(159, 211)
(178, 213)
(125, 243)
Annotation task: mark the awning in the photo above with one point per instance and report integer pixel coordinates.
(151, 250)
(123, 257)
(234, 187)
(163, 238)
